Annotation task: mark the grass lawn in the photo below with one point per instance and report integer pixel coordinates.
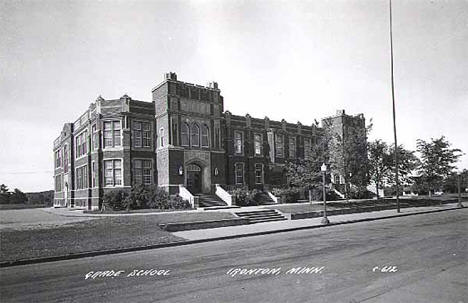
(93, 235)
(22, 206)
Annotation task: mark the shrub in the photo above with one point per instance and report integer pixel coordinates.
(288, 195)
(176, 202)
(116, 200)
(245, 197)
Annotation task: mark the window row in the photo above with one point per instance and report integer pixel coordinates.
(239, 173)
(142, 174)
(239, 143)
(193, 136)
(279, 145)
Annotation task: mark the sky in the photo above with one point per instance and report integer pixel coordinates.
(297, 60)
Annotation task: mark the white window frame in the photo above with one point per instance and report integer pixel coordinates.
(278, 146)
(142, 171)
(83, 138)
(113, 172)
(187, 126)
(262, 173)
(238, 142)
(292, 153)
(236, 176)
(65, 158)
(260, 145)
(203, 135)
(307, 148)
(112, 131)
(58, 185)
(192, 134)
(84, 183)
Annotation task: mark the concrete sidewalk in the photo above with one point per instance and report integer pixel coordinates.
(267, 227)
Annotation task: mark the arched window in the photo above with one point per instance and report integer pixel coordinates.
(205, 136)
(184, 135)
(195, 135)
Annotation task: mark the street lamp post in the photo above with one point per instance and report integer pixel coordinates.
(397, 185)
(325, 220)
(459, 190)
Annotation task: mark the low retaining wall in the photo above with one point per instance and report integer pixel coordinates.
(171, 227)
(345, 211)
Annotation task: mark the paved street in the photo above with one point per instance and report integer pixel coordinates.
(425, 254)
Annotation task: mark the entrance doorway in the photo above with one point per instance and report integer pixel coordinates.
(194, 178)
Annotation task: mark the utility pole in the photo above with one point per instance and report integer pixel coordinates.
(397, 182)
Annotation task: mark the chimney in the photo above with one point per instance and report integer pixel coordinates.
(171, 76)
(340, 112)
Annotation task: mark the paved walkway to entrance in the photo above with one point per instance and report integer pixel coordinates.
(291, 224)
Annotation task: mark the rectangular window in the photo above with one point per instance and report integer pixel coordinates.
(81, 177)
(137, 134)
(239, 173)
(65, 158)
(142, 172)
(58, 160)
(258, 173)
(58, 183)
(307, 148)
(111, 134)
(292, 147)
(217, 138)
(258, 144)
(93, 174)
(174, 132)
(238, 142)
(146, 134)
(279, 145)
(81, 144)
(112, 172)
(93, 137)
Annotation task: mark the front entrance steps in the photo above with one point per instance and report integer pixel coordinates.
(206, 200)
(258, 216)
(264, 199)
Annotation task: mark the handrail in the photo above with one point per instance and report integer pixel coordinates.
(272, 197)
(186, 195)
(223, 195)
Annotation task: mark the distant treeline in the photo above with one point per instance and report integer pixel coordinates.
(16, 196)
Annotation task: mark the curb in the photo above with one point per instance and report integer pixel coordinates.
(189, 242)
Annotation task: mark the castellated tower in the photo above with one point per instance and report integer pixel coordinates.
(189, 135)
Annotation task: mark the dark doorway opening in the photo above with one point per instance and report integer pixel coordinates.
(194, 178)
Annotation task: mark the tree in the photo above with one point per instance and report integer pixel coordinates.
(349, 149)
(18, 197)
(380, 163)
(407, 164)
(3, 189)
(4, 194)
(437, 162)
(451, 183)
(305, 173)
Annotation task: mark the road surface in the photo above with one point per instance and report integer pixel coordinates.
(420, 258)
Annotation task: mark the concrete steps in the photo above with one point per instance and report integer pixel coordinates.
(264, 199)
(205, 200)
(258, 216)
